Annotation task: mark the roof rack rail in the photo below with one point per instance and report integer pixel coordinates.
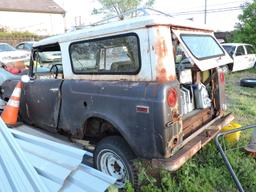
(144, 11)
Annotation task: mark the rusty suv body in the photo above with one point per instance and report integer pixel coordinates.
(125, 79)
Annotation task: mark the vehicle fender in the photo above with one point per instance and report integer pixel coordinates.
(118, 125)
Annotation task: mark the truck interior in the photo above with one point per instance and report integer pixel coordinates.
(47, 62)
(197, 91)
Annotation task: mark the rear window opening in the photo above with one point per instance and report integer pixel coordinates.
(196, 89)
(196, 103)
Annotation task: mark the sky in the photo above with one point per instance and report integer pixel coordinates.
(222, 15)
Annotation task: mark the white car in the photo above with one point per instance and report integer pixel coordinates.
(243, 55)
(12, 57)
(46, 57)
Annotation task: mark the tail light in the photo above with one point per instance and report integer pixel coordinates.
(172, 97)
(222, 77)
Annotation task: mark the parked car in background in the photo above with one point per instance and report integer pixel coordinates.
(12, 58)
(26, 45)
(46, 57)
(243, 55)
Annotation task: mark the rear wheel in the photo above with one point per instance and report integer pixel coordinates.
(114, 157)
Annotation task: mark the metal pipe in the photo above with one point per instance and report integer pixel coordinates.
(222, 153)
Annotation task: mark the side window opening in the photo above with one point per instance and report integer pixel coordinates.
(240, 51)
(47, 62)
(249, 49)
(114, 55)
(21, 46)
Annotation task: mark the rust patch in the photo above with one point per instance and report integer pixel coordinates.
(161, 75)
(184, 28)
(161, 51)
(175, 115)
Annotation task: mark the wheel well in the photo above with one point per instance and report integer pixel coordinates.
(98, 128)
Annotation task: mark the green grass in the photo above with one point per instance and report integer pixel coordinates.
(206, 170)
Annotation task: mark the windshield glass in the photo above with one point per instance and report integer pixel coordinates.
(229, 48)
(202, 46)
(28, 46)
(6, 47)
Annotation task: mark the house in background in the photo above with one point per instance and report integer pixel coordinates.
(43, 17)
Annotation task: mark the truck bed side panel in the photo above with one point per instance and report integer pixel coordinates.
(115, 102)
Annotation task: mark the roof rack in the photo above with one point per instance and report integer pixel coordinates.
(144, 11)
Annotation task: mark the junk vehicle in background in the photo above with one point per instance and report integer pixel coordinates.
(244, 56)
(14, 60)
(149, 87)
(46, 57)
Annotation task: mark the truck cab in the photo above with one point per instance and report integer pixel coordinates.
(148, 88)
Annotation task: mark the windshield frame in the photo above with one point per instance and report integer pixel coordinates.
(202, 35)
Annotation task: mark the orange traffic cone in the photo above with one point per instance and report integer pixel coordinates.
(11, 110)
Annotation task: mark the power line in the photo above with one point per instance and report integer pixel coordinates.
(225, 9)
(220, 4)
(205, 10)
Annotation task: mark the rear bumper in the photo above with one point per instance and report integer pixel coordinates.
(205, 135)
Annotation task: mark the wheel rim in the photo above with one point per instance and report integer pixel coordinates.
(111, 164)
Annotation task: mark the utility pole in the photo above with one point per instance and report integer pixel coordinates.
(205, 10)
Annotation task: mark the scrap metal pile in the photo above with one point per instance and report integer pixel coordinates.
(29, 163)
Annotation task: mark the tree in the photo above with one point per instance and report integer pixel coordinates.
(119, 7)
(245, 29)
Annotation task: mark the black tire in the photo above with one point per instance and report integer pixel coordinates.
(249, 82)
(122, 155)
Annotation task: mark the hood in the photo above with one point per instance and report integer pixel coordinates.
(5, 75)
(13, 56)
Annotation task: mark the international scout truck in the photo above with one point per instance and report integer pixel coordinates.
(149, 88)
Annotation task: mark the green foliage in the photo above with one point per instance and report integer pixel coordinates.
(128, 187)
(112, 188)
(4, 33)
(245, 32)
(118, 7)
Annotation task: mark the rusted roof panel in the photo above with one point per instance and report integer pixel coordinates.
(31, 6)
